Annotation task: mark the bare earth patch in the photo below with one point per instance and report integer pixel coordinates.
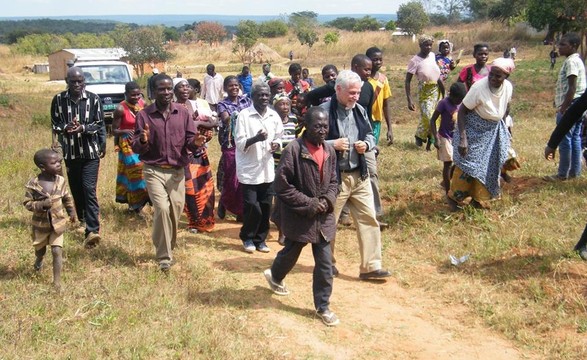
(378, 319)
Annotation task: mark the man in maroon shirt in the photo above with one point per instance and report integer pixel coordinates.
(163, 135)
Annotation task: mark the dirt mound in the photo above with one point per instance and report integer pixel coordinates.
(264, 54)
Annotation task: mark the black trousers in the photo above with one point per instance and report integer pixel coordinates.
(583, 240)
(256, 212)
(82, 175)
(322, 276)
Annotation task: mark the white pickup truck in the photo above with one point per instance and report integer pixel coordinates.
(106, 79)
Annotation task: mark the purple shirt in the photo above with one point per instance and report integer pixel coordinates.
(232, 109)
(447, 112)
(169, 139)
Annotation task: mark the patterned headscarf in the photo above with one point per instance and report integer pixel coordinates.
(425, 38)
(280, 97)
(507, 65)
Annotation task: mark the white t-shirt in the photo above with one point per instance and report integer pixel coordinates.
(488, 105)
(255, 164)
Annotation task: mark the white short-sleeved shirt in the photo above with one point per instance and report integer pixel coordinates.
(573, 66)
(488, 105)
(255, 164)
(425, 69)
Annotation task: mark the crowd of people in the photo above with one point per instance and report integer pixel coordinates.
(301, 156)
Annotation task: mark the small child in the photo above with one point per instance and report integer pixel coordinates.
(306, 77)
(47, 197)
(447, 110)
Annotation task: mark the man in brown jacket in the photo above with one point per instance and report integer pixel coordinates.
(306, 186)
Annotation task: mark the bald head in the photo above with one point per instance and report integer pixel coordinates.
(74, 70)
(76, 81)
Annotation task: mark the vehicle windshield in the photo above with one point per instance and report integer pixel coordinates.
(106, 74)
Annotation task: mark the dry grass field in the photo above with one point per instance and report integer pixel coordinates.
(521, 295)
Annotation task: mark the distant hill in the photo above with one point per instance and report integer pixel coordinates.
(180, 20)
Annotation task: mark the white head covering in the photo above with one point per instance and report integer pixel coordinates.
(177, 81)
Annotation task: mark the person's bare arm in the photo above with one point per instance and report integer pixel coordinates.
(387, 116)
(461, 122)
(408, 89)
(433, 130)
(572, 80)
(117, 120)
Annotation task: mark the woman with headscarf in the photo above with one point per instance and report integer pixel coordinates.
(199, 183)
(423, 66)
(231, 196)
(482, 138)
(131, 188)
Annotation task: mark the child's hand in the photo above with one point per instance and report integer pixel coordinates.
(549, 153)
(436, 145)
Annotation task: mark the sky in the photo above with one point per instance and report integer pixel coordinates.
(35, 8)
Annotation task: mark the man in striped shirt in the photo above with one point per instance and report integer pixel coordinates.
(77, 119)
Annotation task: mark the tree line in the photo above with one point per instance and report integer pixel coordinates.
(147, 44)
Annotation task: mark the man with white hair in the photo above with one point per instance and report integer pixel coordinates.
(351, 136)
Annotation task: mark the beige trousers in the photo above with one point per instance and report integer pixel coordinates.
(166, 189)
(358, 196)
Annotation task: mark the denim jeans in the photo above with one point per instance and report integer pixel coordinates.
(569, 165)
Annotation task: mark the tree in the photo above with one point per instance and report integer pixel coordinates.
(390, 25)
(247, 33)
(210, 32)
(171, 34)
(343, 23)
(412, 18)
(189, 36)
(273, 28)
(557, 15)
(305, 24)
(508, 12)
(143, 45)
(367, 23)
(87, 41)
(307, 36)
(303, 18)
(479, 9)
(41, 44)
(331, 37)
(453, 9)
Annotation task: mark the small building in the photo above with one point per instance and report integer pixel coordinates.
(400, 33)
(41, 68)
(58, 61)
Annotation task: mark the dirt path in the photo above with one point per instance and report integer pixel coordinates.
(378, 320)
